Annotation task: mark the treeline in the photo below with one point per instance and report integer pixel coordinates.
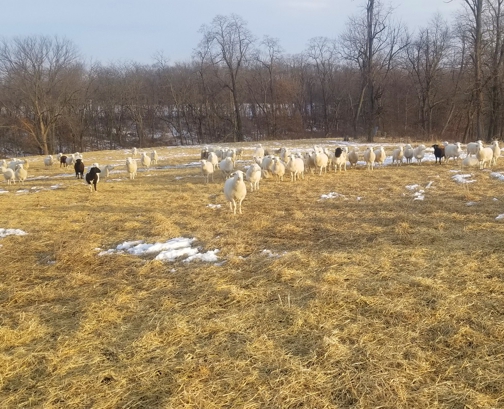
(444, 81)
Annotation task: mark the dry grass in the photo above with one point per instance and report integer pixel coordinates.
(375, 299)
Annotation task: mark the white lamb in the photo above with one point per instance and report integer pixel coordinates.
(398, 155)
(207, 169)
(278, 169)
(309, 161)
(8, 175)
(496, 152)
(409, 152)
(49, 161)
(131, 168)
(369, 157)
(154, 157)
(20, 173)
(484, 155)
(295, 166)
(453, 150)
(226, 166)
(253, 175)
(380, 155)
(235, 191)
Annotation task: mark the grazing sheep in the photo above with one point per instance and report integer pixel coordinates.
(380, 155)
(409, 152)
(496, 152)
(213, 159)
(20, 173)
(452, 150)
(295, 166)
(79, 168)
(8, 175)
(253, 175)
(49, 161)
(63, 161)
(484, 155)
(131, 168)
(226, 166)
(278, 169)
(235, 191)
(369, 157)
(207, 169)
(106, 170)
(353, 157)
(439, 152)
(340, 159)
(145, 160)
(398, 155)
(154, 157)
(93, 177)
(419, 153)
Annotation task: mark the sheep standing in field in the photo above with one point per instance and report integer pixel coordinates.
(439, 152)
(409, 153)
(321, 160)
(48, 161)
(470, 162)
(226, 166)
(63, 161)
(398, 155)
(213, 159)
(106, 170)
(93, 177)
(380, 155)
(369, 157)
(353, 157)
(154, 157)
(267, 166)
(419, 153)
(235, 191)
(9, 175)
(340, 159)
(484, 156)
(284, 154)
(145, 160)
(134, 152)
(278, 169)
(472, 147)
(452, 150)
(259, 151)
(204, 153)
(496, 152)
(79, 168)
(295, 166)
(207, 170)
(131, 168)
(253, 175)
(20, 173)
(70, 160)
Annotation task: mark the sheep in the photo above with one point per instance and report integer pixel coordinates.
(398, 155)
(472, 147)
(235, 191)
(295, 166)
(58, 156)
(13, 163)
(20, 173)
(267, 165)
(93, 177)
(278, 169)
(8, 175)
(419, 153)
(484, 155)
(340, 159)
(380, 155)
(452, 150)
(259, 152)
(439, 152)
(63, 162)
(284, 154)
(48, 161)
(470, 162)
(409, 152)
(253, 175)
(134, 152)
(70, 160)
(79, 168)
(3, 163)
(309, 161)
(204, 153)
(369, 157)
(106, 170)
(496, 152)
(145, 160)
(353, 157)
(226, 166)
(239, 153)
(320, 160)
(231, 153)
(131, 167)
(154, 157)
(207, 169)
(213, 159)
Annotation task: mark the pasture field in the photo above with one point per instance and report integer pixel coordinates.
(339, 291)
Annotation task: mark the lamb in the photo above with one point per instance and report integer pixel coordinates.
(380, 155)
(295, 166)
(145, 160)
(496, 152)
(231, 153)
(226, 166)
(419, 153)
(253, 175)
(154, 157)
(207, 169)
(452, 150)
(8, 175)
(93, 177)
(235, 191)
(439, 152)
(79, 168)
(340, 159)
(484, 155)
(398, 155)
(278, 169)
(20, 173)
(106, 170)
(409, 153)
(131, 167)
(369, 157)
(48, 161)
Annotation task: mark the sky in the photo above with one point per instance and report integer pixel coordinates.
(120, 31)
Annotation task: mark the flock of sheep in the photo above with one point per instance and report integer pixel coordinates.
(276, 164)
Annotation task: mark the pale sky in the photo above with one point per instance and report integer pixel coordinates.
(115, 31)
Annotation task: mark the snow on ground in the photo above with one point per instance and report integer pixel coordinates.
(11, 232)
(463, 178)
(332, 195)
(170, 250)
(497, 175)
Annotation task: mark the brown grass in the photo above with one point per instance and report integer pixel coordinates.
(382, 301)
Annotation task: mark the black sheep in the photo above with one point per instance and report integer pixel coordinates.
(63, 161)
(92, 177)
(439, 152)
(79, 168)
(338, 152)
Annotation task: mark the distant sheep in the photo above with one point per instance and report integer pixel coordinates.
(353, 157)
(134, 152)
(452, 150)
(145, 160)
(398, 155)
(20, 173)
(295, 166)
(496, 152)
(340, 159)
(320, 160)
(213, 159)
(278, 169)
(131, 168)
(93, 177)
(439, 152)
(63, 161)
(419, 153)
(253, 175)
(369, 157)
(9, 175)
(380, 155)
(472, 147)
(235, 191)
(79, 168)
(207, 170)
(106, 170)
(409, 153)
(259, 152)
(226, 166)
(484, 155)
(48, 161)
(154, 157)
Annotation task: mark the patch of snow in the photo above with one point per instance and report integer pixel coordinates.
(332, 195)
(412, 187)
(269, 253)
(471, 203)
(214, 206)
(463, 178)
(11, 232)
(499, 217)
(497, 175)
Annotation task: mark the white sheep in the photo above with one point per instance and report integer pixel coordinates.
(226, 166)
(70, 160)
(207, 170)
(134, 152)
(472, 147)
(49, 161)
(259, 151)
(321, 160)
(131, 167)
(295, 166)
(20, 173)
(8, 175)
(419, 153)
(154, 157)
(309, 161)
(145, 160)
(105, 170)
(213, 159)
(409, 152)
(353, 157)
(496, 152)
(380, 155)
(484, 155)
(253, 175)
(470, 162)
(235, 191)
(278, 169)
(267, 165)
(453, 150)
(398, 155)
(369, 157)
